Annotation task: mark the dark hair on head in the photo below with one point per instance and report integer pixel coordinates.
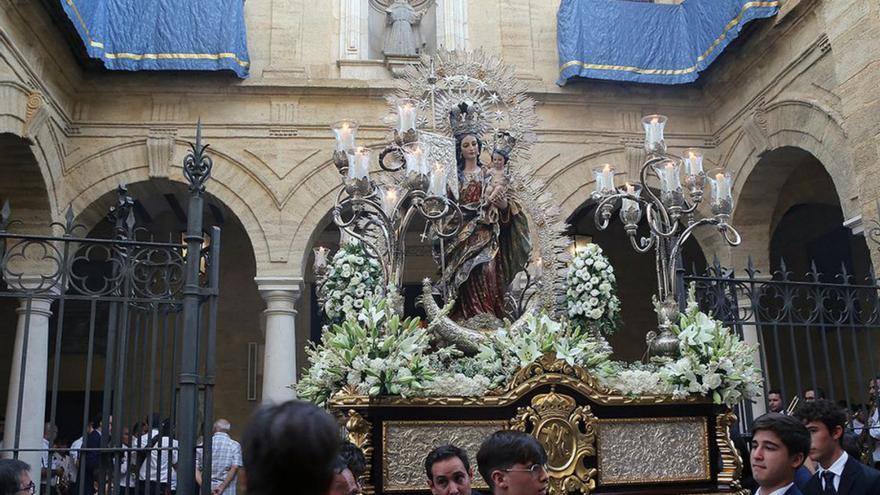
(10, 473)
(459, 158)
(442, 453)
(290, 441)
(792, 432)
(505, 448)
(97, 420)
(774, 391)
(154, 420)
(354, 458)
(817, 391)
(824, 411)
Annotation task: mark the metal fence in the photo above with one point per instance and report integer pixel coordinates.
(115, 344)
(815, 332)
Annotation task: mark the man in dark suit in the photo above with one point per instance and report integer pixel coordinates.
(837, 472)
(449, 471)
(780, 444)
(91, 458)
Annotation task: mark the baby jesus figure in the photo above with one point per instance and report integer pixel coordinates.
(497, 182)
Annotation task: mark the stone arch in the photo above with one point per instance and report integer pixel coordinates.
(128, 163)
(318, 191)
(26, 114)
(806, 129)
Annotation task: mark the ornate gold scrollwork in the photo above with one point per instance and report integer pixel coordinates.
(568, 434)
(731, 462)
(360, 433)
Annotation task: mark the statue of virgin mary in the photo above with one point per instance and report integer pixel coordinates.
(492, 245)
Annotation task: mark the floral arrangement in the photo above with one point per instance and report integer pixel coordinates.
(508, 350)
(373, 353)
(352, 278)
(591, 297)
(713, 361)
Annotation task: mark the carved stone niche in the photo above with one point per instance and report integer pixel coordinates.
(400, 31)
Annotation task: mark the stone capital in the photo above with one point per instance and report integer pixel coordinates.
(280, 293)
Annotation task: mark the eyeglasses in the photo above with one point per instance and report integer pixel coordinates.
(31, 488)
(534, 469)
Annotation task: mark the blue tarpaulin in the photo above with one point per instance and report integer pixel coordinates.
(625, 40)
(163, 34)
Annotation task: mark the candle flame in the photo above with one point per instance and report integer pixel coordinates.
(655, 120)
(606, 168)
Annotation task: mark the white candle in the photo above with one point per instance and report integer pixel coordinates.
(629, 204)
(406, 111)
(345, 131)
(669, 181)
(390, 197)
(654, 125)
(359, 164)
(437, 186)
(693, 162)
(722, 182)
(608, 177)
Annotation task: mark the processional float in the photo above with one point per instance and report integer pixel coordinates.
(598, 440)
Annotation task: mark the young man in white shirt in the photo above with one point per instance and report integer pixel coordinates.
(837, 473)
(780, 444)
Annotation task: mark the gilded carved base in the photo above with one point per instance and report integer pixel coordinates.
(595, 440)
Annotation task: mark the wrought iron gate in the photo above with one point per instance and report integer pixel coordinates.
(127, 322)
(818, 332)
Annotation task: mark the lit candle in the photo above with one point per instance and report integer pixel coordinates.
(345, 131)
(608, 177)
(359, 164)
(437, 185)
(693, 162)
(654, 125)
(669, 181)
(722, 188)
(406, 111)
(604, 177)
(631, 210)
(416, 156)
(390, 196)
(722, 195)
(629, 203)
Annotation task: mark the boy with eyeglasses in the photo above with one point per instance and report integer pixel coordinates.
(513, 463)
(15, 478)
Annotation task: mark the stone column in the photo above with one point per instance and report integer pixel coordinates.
(32, 347)
(279, 359)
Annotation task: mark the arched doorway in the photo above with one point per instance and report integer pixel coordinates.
(813, 300)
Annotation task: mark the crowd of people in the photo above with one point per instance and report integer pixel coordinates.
(813, 447)
(145, 463)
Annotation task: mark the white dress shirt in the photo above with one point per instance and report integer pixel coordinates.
(874, 431)
(836, 468)
(775, 492)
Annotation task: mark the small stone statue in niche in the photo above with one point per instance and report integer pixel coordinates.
(403, 37)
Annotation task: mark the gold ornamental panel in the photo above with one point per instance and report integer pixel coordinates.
(653, 450)
(567, 432)
(405, 444)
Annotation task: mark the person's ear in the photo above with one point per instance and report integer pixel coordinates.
(797, 460)
(498, 479)
(837, 434)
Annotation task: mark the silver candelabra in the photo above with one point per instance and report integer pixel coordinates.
(670, 217)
